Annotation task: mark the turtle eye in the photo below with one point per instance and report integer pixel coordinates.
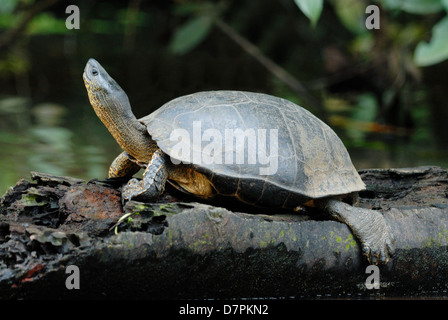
(94, 72)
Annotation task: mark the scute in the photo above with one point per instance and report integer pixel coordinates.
(312, 160)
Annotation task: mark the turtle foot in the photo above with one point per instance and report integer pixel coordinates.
(369, 227)
(153, 183)
(141, 190)
(376, 238)
(132, 190)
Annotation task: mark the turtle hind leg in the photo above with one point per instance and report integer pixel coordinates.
(368, 226)
(153, 183)
(190, 181)
(123, 166)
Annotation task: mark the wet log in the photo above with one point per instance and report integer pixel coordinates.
(178, 248)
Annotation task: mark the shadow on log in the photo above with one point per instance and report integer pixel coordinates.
(175, 248)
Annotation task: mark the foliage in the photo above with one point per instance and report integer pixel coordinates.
(437, 49)
(191, 34)
(11, 11)
(350, 12)
(197, 28)
(45, 23)
(201, 16)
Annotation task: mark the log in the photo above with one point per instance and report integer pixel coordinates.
(179, 248)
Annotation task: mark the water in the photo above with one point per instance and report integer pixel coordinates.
(51, 138)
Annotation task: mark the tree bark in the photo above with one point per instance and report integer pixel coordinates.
(178, 248)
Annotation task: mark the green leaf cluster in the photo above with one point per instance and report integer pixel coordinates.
(352, 15)
(436, 50)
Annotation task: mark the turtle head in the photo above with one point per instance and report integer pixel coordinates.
(111, 105)
(105, 94)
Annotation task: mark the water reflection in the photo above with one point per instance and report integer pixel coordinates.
(46, 138)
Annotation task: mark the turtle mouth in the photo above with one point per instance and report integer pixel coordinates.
(91, 70)
(85, 77)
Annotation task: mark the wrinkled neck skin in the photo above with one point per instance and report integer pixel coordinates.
(115, 112)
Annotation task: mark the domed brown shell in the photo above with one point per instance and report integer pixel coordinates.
(311, 161)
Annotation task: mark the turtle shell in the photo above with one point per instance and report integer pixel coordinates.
(262, 149)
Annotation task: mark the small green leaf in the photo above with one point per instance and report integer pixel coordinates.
(188, 36)
(445, 4)
(352, 14)
(437, 49)
(311, 8)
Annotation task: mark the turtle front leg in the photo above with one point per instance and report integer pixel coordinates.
(368, 226)
(153, 183)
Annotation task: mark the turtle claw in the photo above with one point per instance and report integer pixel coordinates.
(136, 189)
(131, 190)
(382, 249)
(374, 256)
(376, 239)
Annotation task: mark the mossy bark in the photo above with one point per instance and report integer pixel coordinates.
(178, 248)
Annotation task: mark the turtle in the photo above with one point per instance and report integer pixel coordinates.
(262, 150)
